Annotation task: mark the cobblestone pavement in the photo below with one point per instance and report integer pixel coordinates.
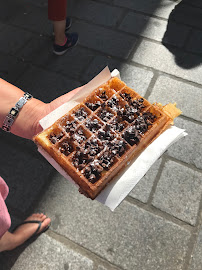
(157, 46)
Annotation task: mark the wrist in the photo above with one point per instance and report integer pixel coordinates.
(27, 124)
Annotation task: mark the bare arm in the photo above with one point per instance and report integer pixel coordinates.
(26, 124)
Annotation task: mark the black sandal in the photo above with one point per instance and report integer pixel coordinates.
(33, 221)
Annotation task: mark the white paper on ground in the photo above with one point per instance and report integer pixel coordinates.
(124, 182)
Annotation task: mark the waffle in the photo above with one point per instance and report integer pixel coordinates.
(95, 140)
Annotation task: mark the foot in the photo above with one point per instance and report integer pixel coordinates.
(10, 241)
(71, 41)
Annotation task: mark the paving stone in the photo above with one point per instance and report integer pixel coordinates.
(90, 11)
(20, 167)
(154, 28)
(143, 189)
(189, 148)
(8, 9)
(45, 85)
(187, 14)
(11, 68)
(135, 77)
(2, 25)
(51, 254)
(195, 42)
(196, 3)
(33, 19)
(12, 39)
(107, 41)
(101, 267)
(107, 1)
(196, 261)
(175, 62)
(187, 97)
(179, 192)
(152, 7)
(130, 237)
(39, 51)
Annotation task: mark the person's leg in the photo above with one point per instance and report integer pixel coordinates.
(10, 241)
(57, 13)
(57, 10)
(59, 31)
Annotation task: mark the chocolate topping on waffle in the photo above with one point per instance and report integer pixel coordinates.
(79, 136)
(117, 125)
(70, 126)
(132, 135)
(107, 159)
(117, 147)
(81, 114)
(104, 113)
(149, 116)
(65, 148)
(93, 125)
(126, 96)
(106, 134)
(128, 113)
(93, 171)
(93, 106)
(113, 103)
(55, 137)
(137, 103)
(87, 153)
(103, 94)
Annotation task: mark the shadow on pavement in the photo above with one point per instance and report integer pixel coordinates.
(188, 13)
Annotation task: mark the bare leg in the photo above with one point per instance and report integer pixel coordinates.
(10, 241)
(59, 30)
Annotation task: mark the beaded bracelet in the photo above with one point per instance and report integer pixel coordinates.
(10, 118)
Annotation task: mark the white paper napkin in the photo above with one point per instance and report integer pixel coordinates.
(124, 182)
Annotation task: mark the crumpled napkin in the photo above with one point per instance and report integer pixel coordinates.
(124, 182)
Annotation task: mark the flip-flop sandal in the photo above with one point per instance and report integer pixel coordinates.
(33, 221)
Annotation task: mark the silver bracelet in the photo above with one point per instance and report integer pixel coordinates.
(10, 118)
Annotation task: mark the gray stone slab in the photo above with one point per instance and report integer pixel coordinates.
(2, 25)
(33, 19)
(130, 237)
(135, 77)
(154, 28)
(196, 261)
(187, 97)
(13, 38)
(143, 189)
(8, 10)
(152, 7)
(179, 192)
(171, 61)
(46, 253)
(189, 148)
(195, 42)
(11, 68)
(90, 11)
(39, 51)
(45, 85)
(104, 39)
(24, 170)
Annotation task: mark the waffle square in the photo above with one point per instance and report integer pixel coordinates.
(95, 140)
